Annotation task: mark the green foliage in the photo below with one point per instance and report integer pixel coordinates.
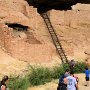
(39, 75)
(79, 67)
(18, 83)
(57, 71)
(65, 66)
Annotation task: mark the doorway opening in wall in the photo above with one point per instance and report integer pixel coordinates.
(17, 26)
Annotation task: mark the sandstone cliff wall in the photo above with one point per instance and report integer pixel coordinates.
(35, 45)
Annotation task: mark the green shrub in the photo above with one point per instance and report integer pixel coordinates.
(18, 83)
(79, 67)
(57, 71)
(39, 75)
(66, 66)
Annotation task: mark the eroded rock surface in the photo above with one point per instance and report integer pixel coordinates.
(35, 45)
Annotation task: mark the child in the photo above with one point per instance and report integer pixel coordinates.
(87, 76)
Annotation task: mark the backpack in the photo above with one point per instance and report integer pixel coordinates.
(61, 85)
(61, 78)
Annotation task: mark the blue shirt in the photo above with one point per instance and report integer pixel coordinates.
(87, 73)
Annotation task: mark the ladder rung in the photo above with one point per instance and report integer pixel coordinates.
(47, 18)
(52, 32)
(57, 44)
(59, 49)
(63, 56)
(61, 53)
(55, 37)
(50, 28)
(45, 15)
(48, 24)
(56, 40)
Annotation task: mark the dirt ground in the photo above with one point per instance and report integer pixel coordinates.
(53, 85)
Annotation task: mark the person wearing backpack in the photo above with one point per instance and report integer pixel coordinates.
(63, 81)
(4, 82)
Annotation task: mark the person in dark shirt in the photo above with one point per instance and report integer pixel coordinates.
(62, 81)
(71, 65)
(4, 82)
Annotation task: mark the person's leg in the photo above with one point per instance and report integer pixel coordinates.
(87, 81)
(57, 87)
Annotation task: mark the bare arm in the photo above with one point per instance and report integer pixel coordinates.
(65, 80)
(3, 87)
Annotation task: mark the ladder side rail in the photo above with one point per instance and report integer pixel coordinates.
(54, 37)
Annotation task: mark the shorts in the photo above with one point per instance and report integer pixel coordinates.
(87, 78)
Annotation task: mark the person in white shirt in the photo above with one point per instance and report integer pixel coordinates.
(71, 82)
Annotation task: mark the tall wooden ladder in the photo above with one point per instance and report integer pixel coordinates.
(54, 38)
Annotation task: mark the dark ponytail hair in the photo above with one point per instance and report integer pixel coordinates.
(4, 79)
